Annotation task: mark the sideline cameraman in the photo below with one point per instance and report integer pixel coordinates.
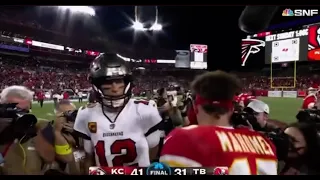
(167, 107)
(261, 112)
(68, 146)
(28, 153)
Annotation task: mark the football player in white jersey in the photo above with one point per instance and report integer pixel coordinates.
(121, 131)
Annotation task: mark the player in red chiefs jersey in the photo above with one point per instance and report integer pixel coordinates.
(214, 142)
(311, 99)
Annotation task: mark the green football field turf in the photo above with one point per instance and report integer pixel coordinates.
(283, 109)
(46, 112)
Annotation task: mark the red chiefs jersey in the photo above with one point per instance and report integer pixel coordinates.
(243, 151)
(244, 99)
(309, 101)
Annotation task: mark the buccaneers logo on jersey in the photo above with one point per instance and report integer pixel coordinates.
(314, 43)
(250, 46)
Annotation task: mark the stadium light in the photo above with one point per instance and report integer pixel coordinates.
(80, 9)
(156, 27)
(138, 26)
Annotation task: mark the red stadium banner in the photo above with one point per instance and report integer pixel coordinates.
(261, 92)
(302, 93)
(92, 53)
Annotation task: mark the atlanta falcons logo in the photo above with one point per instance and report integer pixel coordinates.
(250, 46)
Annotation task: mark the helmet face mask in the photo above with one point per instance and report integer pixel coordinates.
(111, 81)
(113, 93)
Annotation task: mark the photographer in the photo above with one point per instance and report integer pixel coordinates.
(167, 107)
(303, 156)
(69, 148)
(260, 111)
(169, 112)
(256, 116)
(23, 146)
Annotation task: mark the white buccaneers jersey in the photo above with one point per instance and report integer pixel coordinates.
(127, 141)
(151, 102)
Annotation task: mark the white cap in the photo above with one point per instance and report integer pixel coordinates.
(259, 106)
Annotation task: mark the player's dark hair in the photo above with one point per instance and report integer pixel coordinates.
(216, 86)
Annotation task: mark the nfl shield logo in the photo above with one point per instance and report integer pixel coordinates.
(112, 126)
(221, 170)
(96, 171)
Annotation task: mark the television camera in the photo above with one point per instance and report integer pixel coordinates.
(16, 123)
(282, 141)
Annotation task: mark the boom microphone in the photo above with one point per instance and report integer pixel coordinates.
(255, 19)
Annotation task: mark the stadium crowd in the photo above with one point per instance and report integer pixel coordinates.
(43, 73)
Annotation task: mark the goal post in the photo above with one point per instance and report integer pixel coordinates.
(273, 77)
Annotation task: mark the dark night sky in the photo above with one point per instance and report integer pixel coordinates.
(216, 26)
